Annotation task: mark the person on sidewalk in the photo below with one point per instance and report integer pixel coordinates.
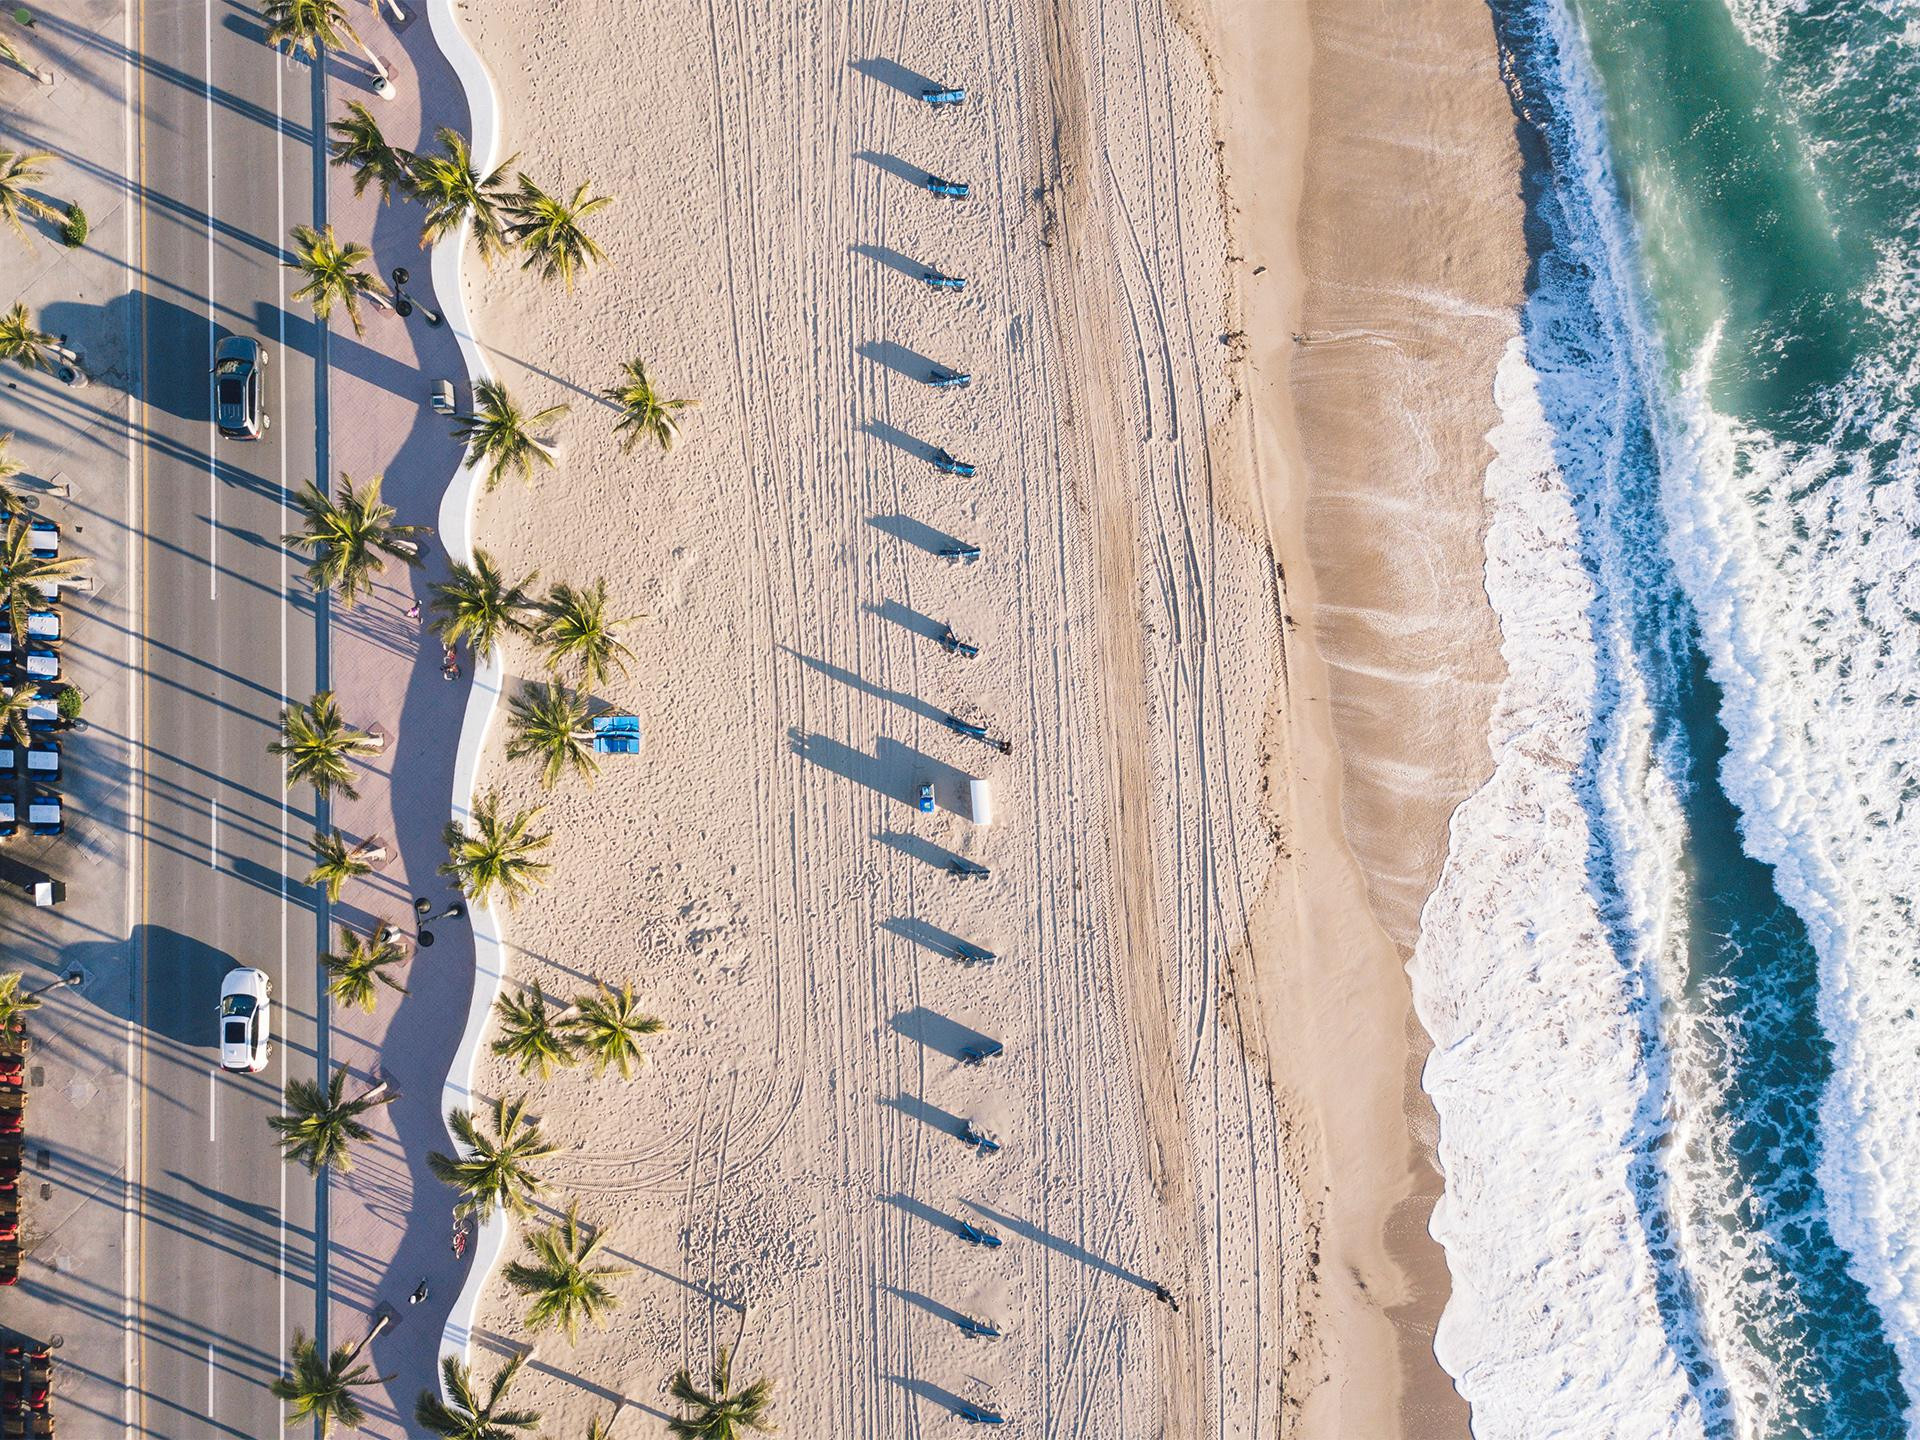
(419, 1293)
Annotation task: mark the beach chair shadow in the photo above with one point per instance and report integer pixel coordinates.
(927, 1303)
(941, 942)
(927, 1113)
(900, 439)
(937, 1032)
(914, 847)
(890, 355)
(891, 259)
(909, 619)
(895, 76)
(927, 1390)
(915, 175)
(939, 1219)
(914, 532)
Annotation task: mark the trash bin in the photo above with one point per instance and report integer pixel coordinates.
(441, 397)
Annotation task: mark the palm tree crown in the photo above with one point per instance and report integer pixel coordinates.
(468, 1415)
(609, 1026)
(313, 26)
(14, 1002)
(358, 142)
(577, 631)
(321, 1387)
(478, 606)
(18, 171)
(334, 273)
(9, 467)
(26, 579)
(566, 1286)
(334, 863)
(452, 190)
(15, 706)
(350, 537)
(498, 436)
(549, 724)
(361, 965)
(320, 1124)
(644, 413)
(528, 1034)
(318, 742)
(549, 230)
(492, 854)
(720, 1414)
(493, 1173)
(33, 348)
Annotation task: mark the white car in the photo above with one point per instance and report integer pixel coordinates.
(245, 1001)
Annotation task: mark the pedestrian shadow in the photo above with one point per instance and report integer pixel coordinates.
(916, 533)
(937, 1032)
(1068, 1248)
(896, 76)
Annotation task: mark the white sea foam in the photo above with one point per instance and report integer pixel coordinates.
(1541, 1072)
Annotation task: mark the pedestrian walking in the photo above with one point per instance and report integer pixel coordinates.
(413, 611)
(419, 1293)
(1165, 1297)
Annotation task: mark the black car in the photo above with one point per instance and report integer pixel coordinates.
(238, 365)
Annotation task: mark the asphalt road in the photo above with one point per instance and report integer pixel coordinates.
(226, 1249)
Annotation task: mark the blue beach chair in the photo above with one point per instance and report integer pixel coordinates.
(616, 734)
(942, 378)
(960, 554)
(955, 96)
(946, 189)
(947, 465)
(935, 280)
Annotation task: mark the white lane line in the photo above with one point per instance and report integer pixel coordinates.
(213, 1110)
(213, 333)
(320, 1256)
(210, 1380)
(213, 835)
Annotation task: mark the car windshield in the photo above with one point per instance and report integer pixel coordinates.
(230, 392)
(236, 1005)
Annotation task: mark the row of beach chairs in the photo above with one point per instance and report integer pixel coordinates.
(36, 664)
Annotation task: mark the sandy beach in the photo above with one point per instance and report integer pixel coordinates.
(1199, 624)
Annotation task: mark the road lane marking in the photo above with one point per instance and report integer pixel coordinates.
(129, 1230)
(213, 1110)
(280, 297)
(213, 335)
(213, 835)
(209, 1379)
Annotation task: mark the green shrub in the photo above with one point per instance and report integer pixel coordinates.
(74, 233)
(70, 702)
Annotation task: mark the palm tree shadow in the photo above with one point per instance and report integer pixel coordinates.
(532, 369)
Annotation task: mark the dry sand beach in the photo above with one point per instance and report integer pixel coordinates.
(1210, 1075)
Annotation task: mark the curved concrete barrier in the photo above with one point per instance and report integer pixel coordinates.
(456, 533)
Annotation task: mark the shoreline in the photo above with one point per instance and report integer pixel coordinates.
(1349, 170)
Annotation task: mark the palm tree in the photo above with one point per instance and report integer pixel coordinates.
(319, 1124)
(318, 742)
(549, 230)
(10, 497)
(550, 725)
(358, 142)
(334, 864)
(10, 55)
(362, 964)
(26, 579)
(313, 26)
(469, 1417)
(478, 606)
(566, 1286)
(577, 631)
(609, 1027)
(14, 705)
(598, 1429)
(494, 854)
(15, 1002)
(18, 170)
(493, 1173)
(721, 1415)
(333, 272)
(527, 1034)
(350, 537)
(497, 435)
(34, 349)
(321, 1388)
(453, 190)
(644, 415)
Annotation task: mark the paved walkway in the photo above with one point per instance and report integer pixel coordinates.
(390, 1222)
(74, 447)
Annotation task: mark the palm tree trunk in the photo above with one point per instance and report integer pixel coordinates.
(384, 89)
(372, 1335)
(373, 850)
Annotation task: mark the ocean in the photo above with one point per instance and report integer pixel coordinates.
(1671, 970)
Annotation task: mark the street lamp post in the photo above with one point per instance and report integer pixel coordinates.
(403, 303)
(72, 977)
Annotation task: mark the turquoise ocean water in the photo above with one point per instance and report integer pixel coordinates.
(1672, 970)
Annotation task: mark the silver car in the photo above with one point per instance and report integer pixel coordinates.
(239, 367)
(245, 1030)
